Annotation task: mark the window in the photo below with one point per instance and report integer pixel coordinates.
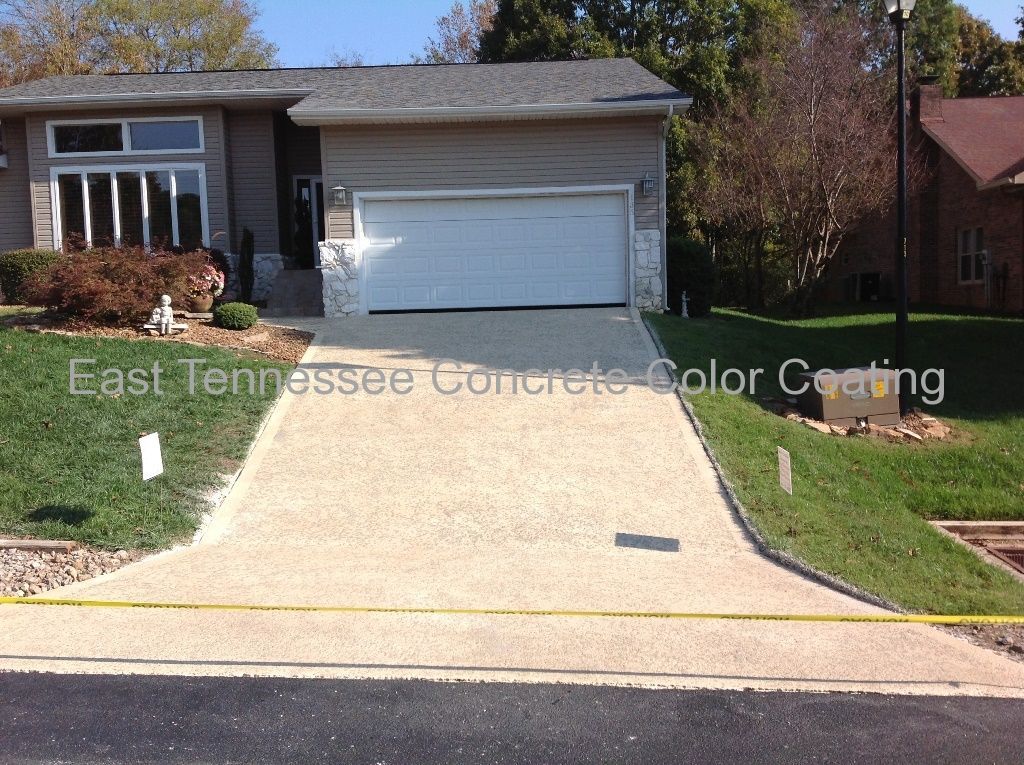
(970, 250)
(151, 205)
(87, 139)
(111, 137)
(165, 135)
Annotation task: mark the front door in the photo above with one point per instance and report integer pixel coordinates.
(308, 220)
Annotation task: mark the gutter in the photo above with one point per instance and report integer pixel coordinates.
(311, 116)
(122, 98)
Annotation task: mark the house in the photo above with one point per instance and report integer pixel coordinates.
(966, 232)
(418, 187)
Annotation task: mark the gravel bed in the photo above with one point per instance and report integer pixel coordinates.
(31, 572)
(1007, 639)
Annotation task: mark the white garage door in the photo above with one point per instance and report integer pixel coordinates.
(483, 252)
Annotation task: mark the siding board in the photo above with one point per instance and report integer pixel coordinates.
(492, 155)
(15, 191)
(253, 189)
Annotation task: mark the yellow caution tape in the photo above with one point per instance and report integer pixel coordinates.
(870, 618)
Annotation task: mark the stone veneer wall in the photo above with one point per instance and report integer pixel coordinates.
(265, 266)
(647, 270)
(340, 277)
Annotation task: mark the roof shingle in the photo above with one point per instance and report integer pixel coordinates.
(596, 81)
(985, 135)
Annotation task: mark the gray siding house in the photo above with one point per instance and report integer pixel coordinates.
(392, 188)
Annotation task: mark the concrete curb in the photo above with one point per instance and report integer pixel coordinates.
(782, 558)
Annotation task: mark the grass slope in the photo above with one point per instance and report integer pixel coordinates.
(859, 505)
(70, 465)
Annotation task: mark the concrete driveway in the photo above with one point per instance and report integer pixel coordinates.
(486, 501)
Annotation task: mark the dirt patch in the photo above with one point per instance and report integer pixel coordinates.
(279, 343)
(916, 427)
(31, 572)
(1007, 640)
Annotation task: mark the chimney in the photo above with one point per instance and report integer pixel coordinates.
(926, 101)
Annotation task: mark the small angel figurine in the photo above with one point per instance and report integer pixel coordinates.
(166, 317)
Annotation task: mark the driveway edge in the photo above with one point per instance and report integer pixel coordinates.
(782, 558)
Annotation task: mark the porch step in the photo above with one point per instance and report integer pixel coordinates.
(296, 292)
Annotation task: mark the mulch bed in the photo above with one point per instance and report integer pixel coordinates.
(278, 343)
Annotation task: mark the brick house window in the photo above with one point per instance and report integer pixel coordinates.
(970, 251)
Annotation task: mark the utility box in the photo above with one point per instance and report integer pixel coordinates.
(854, 396)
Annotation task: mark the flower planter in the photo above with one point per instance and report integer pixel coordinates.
(202, 304)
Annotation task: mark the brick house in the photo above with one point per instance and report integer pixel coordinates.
(966, 234)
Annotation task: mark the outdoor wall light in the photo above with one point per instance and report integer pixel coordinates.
(648, 185)
(340, 194)
(899, 10)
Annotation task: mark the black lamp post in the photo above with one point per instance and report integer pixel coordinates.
(899, 14)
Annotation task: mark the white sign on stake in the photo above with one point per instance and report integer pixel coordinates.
(785, 471)
(152, 460)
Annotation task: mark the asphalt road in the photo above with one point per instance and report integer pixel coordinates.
(48, 718)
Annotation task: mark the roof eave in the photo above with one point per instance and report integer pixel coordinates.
(22, 104)
(312, 116)
(1013, 180)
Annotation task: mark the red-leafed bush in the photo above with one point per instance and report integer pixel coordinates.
(111, 285)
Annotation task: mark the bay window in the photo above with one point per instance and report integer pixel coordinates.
(150, 205)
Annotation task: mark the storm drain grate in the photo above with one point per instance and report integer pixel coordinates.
(1011, 556)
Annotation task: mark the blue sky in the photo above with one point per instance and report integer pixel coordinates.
(390, 31)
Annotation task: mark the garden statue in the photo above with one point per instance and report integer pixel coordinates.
(161, 319)
(166, 315)
(684, 307)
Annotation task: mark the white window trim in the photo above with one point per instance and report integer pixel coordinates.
(359, 198)
(973, 254)
(142, 168)
(126, 138)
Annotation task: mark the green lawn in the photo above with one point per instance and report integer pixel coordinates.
(70, 465)
(859, 504)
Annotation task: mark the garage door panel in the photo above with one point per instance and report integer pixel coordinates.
(484, 209)
(493, 252)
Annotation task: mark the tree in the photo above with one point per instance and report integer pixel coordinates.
(540, 30)
(346, 58)
(459, 32)
(932, 38)
(39, 38)
(186, 35)
(801, 151)
(49, 37)
(988, 65)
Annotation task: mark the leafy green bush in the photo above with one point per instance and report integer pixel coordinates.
(16, 266)
(235, 316)
(113, 285)
(691, 269)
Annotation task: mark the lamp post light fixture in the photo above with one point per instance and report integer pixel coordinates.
(340, 194)
(899, 12)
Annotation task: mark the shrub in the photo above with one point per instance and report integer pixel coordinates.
(16, 266)
(690, 269)
(235, 316)
(113, 285)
